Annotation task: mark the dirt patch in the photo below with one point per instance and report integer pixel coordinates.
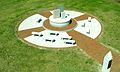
(25, 33)
(116, 63)
(83, 17)
(90, 46)
(46, 14)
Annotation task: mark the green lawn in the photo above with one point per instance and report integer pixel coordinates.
(16, 56)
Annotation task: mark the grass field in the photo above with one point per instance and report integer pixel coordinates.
(16, 56)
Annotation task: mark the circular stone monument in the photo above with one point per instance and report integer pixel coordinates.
(44, 30)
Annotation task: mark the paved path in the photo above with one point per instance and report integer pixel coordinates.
(25, 33)
(116, 63)
(83, 17)
(46, 14)
(95, 49)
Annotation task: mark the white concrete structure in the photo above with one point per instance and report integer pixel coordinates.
(63, 15)
(71, 14)
(32, 22)
(94, 26)
(107, 62)
(59, 22)
(89, 19)
(56, 13)
(59, 43)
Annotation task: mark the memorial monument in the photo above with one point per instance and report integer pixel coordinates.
(59, 18)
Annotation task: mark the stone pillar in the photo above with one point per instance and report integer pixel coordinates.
(56, 13)
(62, 15)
